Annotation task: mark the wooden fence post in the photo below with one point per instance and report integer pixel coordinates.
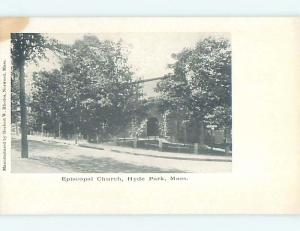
(196, 148)
(160, 145)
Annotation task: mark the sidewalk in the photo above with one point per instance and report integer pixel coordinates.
(171, 155)
(137, 151)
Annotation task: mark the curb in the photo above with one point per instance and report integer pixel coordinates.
(169, 157)
(87, 146)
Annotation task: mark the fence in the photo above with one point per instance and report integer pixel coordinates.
(159, 145)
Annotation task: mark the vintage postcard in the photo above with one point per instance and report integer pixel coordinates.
(149, 115)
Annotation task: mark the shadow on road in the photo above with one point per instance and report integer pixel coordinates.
(59, 156)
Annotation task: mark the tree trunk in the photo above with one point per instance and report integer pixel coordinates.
(24, 142)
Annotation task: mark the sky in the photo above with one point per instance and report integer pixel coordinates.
(149, 53)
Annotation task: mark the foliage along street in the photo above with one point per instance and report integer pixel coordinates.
(94, 94)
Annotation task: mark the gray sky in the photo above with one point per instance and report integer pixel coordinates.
(149, 53)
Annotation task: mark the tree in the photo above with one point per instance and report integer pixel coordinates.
(50, 104)
(210, 80)
(92, 93)
(200, 86)
(25, 47)
(101, 79)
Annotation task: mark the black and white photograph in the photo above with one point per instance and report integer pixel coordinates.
(136, 102)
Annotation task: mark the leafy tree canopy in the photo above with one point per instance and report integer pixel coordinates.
(94, 86)
(200, 85)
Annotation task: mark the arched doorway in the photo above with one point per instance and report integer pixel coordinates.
(152, 127)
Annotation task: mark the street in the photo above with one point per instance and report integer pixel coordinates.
(46, 156)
